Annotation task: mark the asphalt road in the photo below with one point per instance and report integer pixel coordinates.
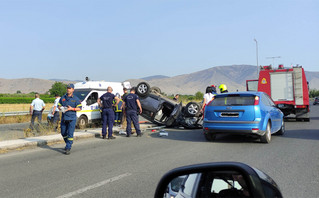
(132, 167)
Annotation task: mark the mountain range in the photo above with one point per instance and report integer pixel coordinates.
(234, 77)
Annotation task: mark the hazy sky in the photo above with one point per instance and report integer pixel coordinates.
(122, 39)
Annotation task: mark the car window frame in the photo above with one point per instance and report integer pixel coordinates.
(194, 188)
(270, 101)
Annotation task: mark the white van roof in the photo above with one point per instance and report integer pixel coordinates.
(100, 85)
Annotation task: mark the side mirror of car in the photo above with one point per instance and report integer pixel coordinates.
(219, 179)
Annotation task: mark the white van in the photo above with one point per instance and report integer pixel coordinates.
(88, 92)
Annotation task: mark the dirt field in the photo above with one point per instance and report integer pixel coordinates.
(19, 107)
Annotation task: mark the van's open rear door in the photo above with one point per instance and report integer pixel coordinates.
(252, 85)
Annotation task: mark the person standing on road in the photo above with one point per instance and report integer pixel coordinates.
(125, 93)
(123, 126)
(106, 102)
(118, 110)
(69, 104)
(56, 112)
(208, 96)
(130, 104)
(36, 108)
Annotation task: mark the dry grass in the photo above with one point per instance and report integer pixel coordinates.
(43, 129)
(40, 130)
(19, 107)
(17, 119)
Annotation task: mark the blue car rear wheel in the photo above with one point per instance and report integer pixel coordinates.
(210, 137)
(266, 138)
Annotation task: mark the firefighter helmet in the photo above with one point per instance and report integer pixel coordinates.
(222, 88)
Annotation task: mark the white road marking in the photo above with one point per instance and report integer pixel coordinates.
(102, 183)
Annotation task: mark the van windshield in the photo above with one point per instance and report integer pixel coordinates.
(81, 94)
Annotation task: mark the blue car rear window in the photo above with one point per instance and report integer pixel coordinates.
(233, 100)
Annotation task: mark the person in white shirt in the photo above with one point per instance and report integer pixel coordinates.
(36, 108)
(208, 96)
(55, 112)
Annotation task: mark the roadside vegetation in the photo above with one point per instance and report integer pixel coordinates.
(313, 93)
(198, 97)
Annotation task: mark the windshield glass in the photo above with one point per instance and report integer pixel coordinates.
(81, 94)
(233, 100)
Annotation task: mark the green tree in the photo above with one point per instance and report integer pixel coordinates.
(18, 92)
(199, 95)
(313, 93)
(58, 88)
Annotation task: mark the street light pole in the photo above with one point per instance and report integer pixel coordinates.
(256, 54)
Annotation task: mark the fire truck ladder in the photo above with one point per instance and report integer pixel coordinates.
(298, 86)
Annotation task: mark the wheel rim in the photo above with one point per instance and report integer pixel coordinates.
(82, 122)
(193, 109)
(268, 133)
(142, 88)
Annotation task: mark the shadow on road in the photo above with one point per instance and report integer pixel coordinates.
(314, 118)
(198, 136)
(59, 150)
(44, 144)
(307, 134)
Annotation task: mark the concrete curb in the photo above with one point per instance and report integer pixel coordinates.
(32, 142)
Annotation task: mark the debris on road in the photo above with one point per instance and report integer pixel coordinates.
(162, 133)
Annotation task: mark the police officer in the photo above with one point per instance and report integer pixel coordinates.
(131, 102)
(223, 88)
(106, 102)
(68, 105)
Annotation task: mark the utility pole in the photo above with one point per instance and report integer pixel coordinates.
(273, 59)
(257, 55)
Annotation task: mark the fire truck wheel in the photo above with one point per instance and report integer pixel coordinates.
(282, 129)
(266, 138)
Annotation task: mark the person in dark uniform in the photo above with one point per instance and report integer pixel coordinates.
(125, 93)
(68, 105)
(106, 103)
(131, 102)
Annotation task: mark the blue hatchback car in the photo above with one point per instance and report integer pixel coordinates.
(246, 113)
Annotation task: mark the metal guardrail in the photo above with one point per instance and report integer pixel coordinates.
(16, 113)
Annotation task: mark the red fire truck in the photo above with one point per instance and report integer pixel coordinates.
(288, 88)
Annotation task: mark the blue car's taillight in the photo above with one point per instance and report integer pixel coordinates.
(256, 100)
